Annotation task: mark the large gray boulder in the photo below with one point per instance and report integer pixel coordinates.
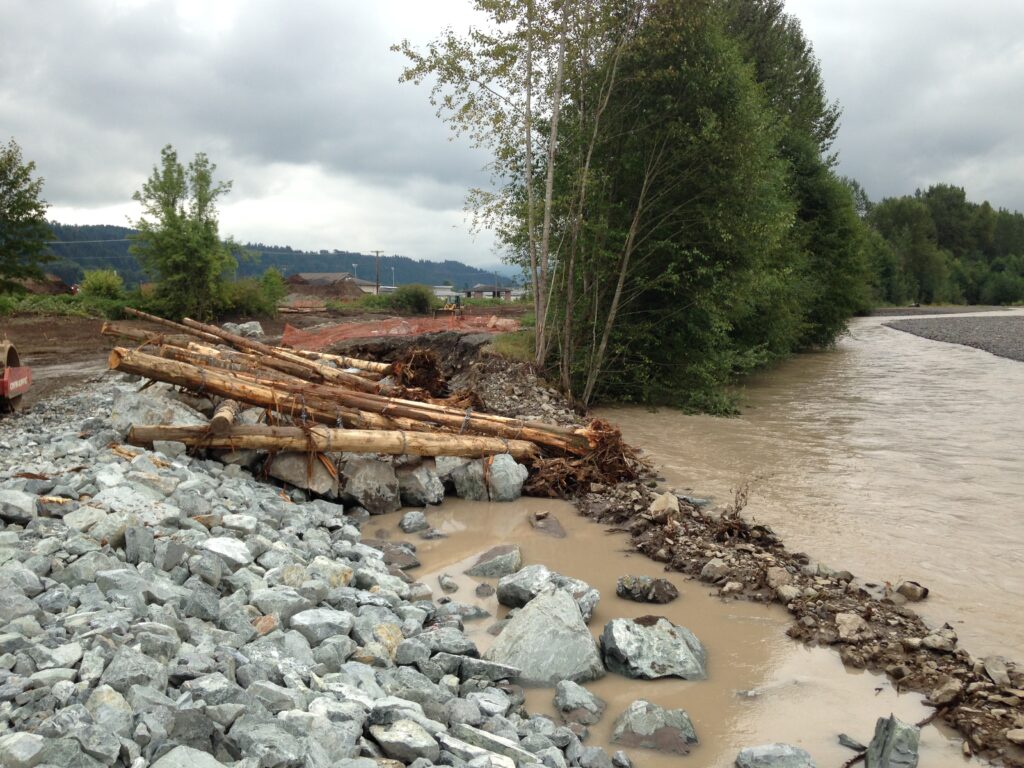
(419, 486)
(894, 744)
(647, 725)
(505, 478)
(774, 756)
(154, 406)
(372, 485)
(469, 480)
(650, 647)
(549, 642)
(501, 560)
(517, 589)
(303, 471)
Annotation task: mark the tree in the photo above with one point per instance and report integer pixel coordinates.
(23, 227)
(179, 243)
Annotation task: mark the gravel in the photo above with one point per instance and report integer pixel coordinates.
(1002, 336)
(957, 309)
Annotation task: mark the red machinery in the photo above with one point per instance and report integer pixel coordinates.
(15, 378)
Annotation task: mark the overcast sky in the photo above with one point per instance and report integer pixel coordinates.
(298, 103)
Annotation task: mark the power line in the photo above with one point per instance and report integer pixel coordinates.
(77, 242)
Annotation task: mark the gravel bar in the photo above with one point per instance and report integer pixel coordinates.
(952, 309)
(1002, 336)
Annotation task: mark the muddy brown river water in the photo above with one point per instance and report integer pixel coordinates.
(762, 686)
(892, 456)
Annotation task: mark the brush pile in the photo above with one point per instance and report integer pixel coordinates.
(320, 403)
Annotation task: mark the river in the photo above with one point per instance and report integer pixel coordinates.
(892, 456)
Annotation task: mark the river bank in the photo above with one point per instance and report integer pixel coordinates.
(1002, 335)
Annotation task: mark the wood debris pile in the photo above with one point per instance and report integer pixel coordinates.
(318, 403)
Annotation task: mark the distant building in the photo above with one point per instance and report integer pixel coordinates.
(481, 291)
(341, 285)
(445, 292)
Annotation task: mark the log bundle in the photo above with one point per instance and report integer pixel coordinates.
(318, 402)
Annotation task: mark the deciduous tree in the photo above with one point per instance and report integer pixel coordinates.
(178, 240)
(23, 227)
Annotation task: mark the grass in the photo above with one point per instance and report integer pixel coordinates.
(61, 306)
(518, 345)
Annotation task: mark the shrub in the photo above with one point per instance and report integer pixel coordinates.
(416, 299)
(102, 284)
(273, 286)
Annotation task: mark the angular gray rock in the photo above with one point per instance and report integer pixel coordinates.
(154, 406)
(647, 725)
(498, 561)
(505, 478)
(774, 756)
(296, 468)
(187, 757)
(517, 589)
(413, 521)
(549, 642)
(419, 486)
(372, 485)
(894, 744)
(645, 589)
(406, 740)
(469, 481)
(17, 506)
(576, 704)
(319, 624)
(650, 647)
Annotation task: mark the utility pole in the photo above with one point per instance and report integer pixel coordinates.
(377, 254)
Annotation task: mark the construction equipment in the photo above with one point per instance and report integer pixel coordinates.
(451, 307)
(15, 379)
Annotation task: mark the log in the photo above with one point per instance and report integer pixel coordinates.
(316, 369)
(143, 336)
(331, 405)
(324, 440)
(178, 327)
(224, 417)
(346, 361)
(213, 381)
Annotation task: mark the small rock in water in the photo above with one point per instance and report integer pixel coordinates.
(645, 589)
(447, 583)
(894, 745)
(851, 743)
(995, 668)
(647, 725)
(715, 570)
(576, 704)
(663, 506)
(912, 591)
(546, 523)
(484, 590)
(774, 756)
(948, 691)
(414, 521)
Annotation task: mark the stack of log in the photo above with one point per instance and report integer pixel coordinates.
(319, 402)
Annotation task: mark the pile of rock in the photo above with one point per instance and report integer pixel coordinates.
(164, 610)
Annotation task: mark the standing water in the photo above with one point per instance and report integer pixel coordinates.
(762, 687)
(892, 456)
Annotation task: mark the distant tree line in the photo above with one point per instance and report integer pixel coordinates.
(937, 247)
(78, 252)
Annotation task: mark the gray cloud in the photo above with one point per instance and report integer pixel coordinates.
(299, 104)
(931, 92)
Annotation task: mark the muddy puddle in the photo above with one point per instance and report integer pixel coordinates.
(892, 456)
(762, 686)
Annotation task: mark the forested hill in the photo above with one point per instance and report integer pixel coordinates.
(85, 247)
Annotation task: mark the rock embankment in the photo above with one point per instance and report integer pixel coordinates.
(165, 610)
(1001, 335)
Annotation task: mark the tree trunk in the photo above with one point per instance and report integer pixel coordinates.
(324, 440)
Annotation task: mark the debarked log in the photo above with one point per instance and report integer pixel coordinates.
(325, 440)
(224, 417)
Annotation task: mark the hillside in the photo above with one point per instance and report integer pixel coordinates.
(85, 247)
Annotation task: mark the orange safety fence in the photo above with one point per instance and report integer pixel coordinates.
(316, 339)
